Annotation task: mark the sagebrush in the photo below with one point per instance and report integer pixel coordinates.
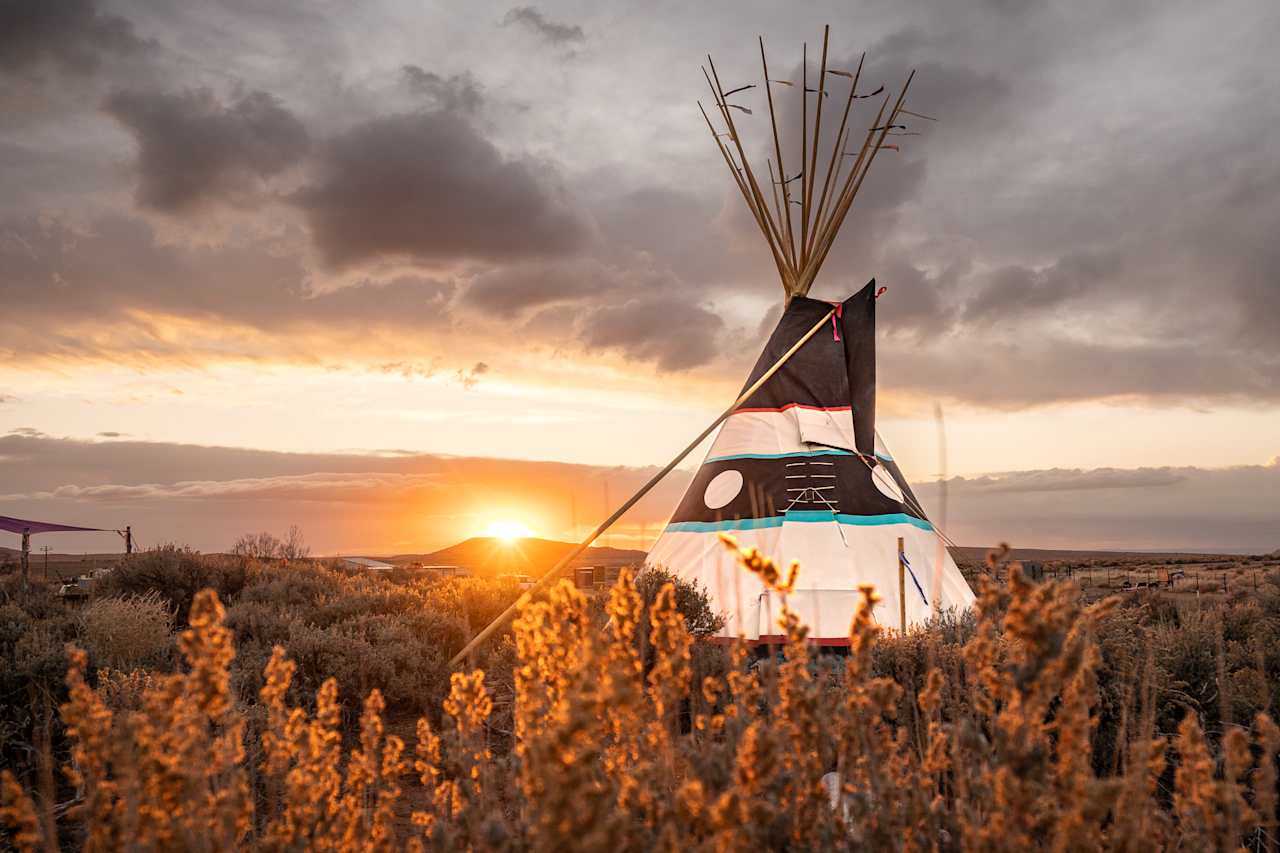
(991, 744)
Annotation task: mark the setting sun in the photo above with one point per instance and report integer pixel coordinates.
(507, 530)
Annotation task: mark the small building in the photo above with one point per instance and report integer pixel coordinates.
(82, 586)
(596, 577)
(440, 571)
(366, 564)
(522, 581)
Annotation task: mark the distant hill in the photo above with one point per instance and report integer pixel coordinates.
(490, 557)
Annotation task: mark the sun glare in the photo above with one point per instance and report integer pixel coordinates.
(507, 531)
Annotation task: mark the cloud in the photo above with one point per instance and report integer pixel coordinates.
(379, 502)
(72, 35)
(553, 31)
(673, 330)
(1166, 509)
(1076, 479)
(459, 93)
(1034, 247)
(319, 486)
(115, 291)
(1015, 291)
(1009, 373)
(399, 501)
(517, 287)
(193, 148)
(471, 378)
(429, 187)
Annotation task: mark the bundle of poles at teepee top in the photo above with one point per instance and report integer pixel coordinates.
(800, 225)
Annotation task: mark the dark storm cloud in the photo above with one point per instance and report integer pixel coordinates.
(192, 147)
(429, 187)
(457, 93)
(672, 330)
(666, 326)
(1015, 291)
(1090, 216)
(73, 35)
(553, 31)
(515, 288)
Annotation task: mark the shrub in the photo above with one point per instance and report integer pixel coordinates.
(788, 755)
(127, 631)
(691, 600)
(1037, 720)
(177, 574)
(477, 601)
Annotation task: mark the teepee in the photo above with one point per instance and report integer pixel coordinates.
(797, 469)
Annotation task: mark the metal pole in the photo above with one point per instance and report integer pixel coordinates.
(551, 575)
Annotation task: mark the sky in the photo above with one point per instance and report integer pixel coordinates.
(395, 270)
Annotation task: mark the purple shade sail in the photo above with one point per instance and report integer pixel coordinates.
(20, 525)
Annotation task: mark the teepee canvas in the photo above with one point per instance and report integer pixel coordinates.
(797, 469)
(799, 472)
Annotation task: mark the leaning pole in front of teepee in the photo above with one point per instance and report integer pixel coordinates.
(582, 546)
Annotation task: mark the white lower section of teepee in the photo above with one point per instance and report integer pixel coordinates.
(835, 559)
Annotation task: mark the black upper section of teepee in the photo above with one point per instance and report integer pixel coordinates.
(831, 370)
(834, 369)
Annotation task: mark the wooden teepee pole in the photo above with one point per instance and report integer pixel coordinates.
(811, 171)
(837, 156)
(756, 202)
(790, 243)
(842, 209)
(780, 261)
(551, 575)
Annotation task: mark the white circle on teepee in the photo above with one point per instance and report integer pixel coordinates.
(886, 484)
(723, 488)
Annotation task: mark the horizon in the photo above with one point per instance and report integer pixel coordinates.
(403, 277)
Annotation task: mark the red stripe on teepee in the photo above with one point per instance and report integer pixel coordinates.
(798, 406)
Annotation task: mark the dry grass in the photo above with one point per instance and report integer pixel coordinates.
(627, 745)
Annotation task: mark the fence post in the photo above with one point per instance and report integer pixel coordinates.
(902, 586)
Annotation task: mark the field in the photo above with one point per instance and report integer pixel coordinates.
(212, 702)
(1180, 576)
